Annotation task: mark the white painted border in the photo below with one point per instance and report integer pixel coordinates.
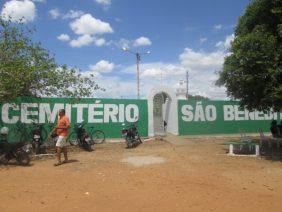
(172, 124)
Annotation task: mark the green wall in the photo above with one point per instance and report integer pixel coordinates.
(194, 117)
(220, 117)
(103, 114)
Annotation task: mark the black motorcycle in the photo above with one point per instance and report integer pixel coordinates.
(38, 136)
(131, 135)
(14, 150)
(80, 137)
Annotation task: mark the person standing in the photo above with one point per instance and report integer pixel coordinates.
(274, 129)
(62, 132)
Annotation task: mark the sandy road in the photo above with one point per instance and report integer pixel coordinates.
(194, 176)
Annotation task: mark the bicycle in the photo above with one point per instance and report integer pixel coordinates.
(84, 139)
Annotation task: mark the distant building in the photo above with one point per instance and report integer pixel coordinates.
(181, 90)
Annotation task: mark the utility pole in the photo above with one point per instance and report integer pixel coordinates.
(138, 59)
(187, 80)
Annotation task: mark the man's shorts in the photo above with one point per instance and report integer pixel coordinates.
(61, 142)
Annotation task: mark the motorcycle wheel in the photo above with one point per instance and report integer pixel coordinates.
(139, 139)
(23, 158)
(87, 146)
(36, 147)
(129, 145)
(4, 160)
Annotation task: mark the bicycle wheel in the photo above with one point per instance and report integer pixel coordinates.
(72, 139)
(98, 136)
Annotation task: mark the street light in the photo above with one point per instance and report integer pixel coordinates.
(138, 58)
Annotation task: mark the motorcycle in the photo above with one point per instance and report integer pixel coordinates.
(131, 135)
(80, 137)
(15, 150)
(37, 139)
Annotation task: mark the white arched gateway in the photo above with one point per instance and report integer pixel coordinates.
(162, 107)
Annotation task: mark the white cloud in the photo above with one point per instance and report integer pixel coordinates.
(87, 27)
(201, 60)
(104, 2)
(202, 67)
(201, 82)
(225, 45)
(40, 1)
(18, 10)
(64, 37)
(102, 66)
(162, 70)
(217, 27)
(142, 41)
(87, 24)
(200, 64)
(54, 13)
(126, 88)
(203, 40)
(125, 43)
(122, 43)
(156, 74)
(72, 14)
(86, 40)
(100, 42)
(83, 40)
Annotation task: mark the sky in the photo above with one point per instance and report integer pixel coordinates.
(181, 36)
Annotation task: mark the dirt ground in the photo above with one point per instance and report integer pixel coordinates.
(185, 174)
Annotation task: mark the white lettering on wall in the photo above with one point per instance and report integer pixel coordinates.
(187, 114)
(131, 113)
(228, 112)
(238, 114)
(121, 113)
(259, 115)
(79, 109)
(25, 113)
(5, 113)
(199, 112)
(92, 113)
(110, 111)
(210, 112)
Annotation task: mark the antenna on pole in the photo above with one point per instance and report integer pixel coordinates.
(138, 59)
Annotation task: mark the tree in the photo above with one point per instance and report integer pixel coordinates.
(252, 72)
(27, 69)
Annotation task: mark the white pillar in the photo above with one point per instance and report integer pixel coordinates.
(231, 149)
(257, 150)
